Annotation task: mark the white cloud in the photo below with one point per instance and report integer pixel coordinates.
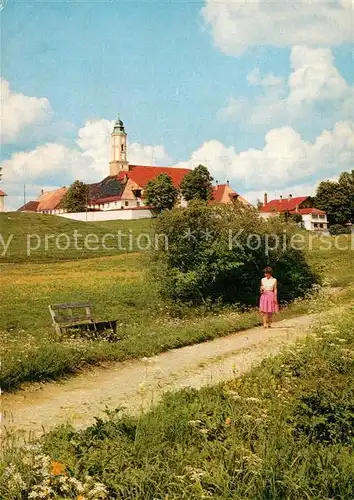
(148, 155)
(285, 159)
(19, 111)
(240, 24)
(314, 81)
(56, 164)
(314, 77)
(269, 80)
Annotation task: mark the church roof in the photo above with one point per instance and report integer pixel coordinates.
(118, 126)
(141, 175)
(109, 186)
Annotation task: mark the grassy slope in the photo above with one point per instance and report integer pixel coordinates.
(22, 225)
(282, 431)
(118, 288)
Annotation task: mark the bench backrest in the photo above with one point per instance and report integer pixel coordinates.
(71, 312)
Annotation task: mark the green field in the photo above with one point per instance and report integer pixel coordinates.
(118, 287)
(285, 430)
(39, 237)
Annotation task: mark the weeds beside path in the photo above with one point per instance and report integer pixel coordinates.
(137, 384)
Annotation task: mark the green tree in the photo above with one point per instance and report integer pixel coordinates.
(216, 253)
(337, 199)
(289, 217)
(197, 185)
(160, 193)
(75, 199)
(346, 180)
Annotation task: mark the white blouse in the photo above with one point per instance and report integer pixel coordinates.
(269, 284)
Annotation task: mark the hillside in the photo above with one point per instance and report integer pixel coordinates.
(41, 237)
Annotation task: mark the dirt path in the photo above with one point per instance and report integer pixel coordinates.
(137, 384)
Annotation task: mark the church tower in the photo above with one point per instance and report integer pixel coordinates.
(118, 161)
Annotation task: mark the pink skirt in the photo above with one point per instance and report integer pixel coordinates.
(268, 303)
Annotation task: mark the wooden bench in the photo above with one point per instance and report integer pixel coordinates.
(78, 315)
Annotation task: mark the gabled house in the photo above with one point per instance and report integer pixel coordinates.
(49, 202)
(136, 178)
(223, 193)
(313, 219)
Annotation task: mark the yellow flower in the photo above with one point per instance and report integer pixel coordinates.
(57, 468)
(228, 421)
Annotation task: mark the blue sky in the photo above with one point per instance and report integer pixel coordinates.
(174, 77)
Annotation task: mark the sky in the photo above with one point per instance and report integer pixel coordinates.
(260, 91)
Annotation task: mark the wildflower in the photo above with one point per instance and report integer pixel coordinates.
(99, 491)
(57, 468)
(194, 423)
(77, 484)
(16, 482)
(228, 421)
(27, 460)
(234, 395)
(39, 491)
(194, 473)
(254, 400)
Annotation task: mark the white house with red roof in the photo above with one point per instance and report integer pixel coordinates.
(313, 219)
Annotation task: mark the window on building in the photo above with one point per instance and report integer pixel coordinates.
(314, 216)
(322, 217)
(137, 193)
(126, 203)
(315, 224)
(321, 226)
(138, 203)
(122, 148)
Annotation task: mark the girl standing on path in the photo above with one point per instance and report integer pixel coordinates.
(268, 304)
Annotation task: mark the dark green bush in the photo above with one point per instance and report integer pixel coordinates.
(337, 229)
(217, 253)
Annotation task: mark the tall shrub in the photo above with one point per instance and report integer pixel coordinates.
(218, 253)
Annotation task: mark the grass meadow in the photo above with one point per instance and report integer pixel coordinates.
(285, 430)
(119, 287)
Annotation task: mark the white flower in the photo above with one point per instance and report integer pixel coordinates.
(77, 484)
(193, 423)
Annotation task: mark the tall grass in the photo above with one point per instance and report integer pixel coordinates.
(284, 430)
(119, 288)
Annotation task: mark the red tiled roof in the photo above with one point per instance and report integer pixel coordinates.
(218, 192)
(108, 199)
(50, 200)
(141, 175)
(284, 205)
(2, 193)
(30, 206)
(306, 211)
